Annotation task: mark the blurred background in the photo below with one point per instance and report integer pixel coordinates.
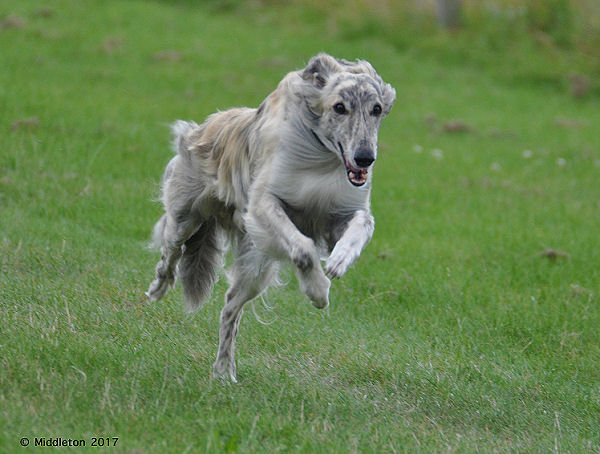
(552, 42)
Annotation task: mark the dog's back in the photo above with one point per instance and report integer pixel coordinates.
(216, 155)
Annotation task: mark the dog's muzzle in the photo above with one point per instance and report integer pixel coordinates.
(357, 176)
(364, 157)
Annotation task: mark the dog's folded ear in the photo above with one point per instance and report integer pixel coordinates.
(389, 96)
(319, 68)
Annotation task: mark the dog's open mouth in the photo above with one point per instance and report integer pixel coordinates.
(357, 177)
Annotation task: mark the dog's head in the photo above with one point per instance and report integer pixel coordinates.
(346, 102)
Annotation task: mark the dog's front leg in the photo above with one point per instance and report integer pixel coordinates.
(357, 234)
(272, 229)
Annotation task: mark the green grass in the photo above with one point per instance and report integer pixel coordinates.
(452, 332)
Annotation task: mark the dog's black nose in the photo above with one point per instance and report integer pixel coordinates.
(364, 157)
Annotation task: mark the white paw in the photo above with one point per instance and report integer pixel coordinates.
(315, 285)
(339, 261)
(158, 288)
(224, 371)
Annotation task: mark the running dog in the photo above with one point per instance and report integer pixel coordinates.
(287, 182)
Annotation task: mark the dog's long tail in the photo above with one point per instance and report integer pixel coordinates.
(200, 264)
(182, 130)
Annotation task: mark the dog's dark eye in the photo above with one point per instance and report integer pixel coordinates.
(340, 108)
(376, 110)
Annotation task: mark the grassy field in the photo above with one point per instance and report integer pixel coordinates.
(470, 323)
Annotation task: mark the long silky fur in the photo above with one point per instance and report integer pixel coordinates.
(280, 183)
(200, 263)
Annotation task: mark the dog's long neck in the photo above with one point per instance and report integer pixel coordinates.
(305, 148)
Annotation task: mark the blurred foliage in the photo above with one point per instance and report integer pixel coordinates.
(542, 42)
(553, 17)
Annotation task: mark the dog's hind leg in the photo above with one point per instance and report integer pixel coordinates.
(250, 274)
(172, 235)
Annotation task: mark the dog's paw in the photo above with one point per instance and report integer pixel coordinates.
(315, 285)
(339, 261)
(320, 302)
(158, 288)
(224, 371)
